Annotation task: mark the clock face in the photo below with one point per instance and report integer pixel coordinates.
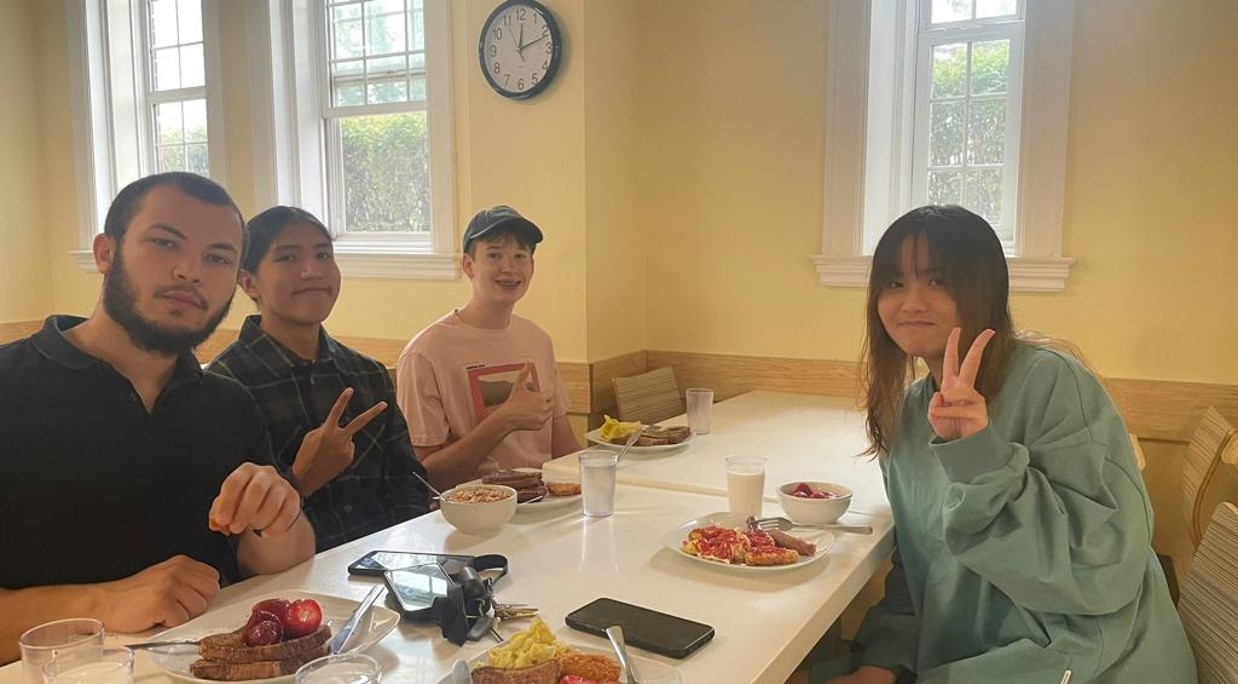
(520, 48)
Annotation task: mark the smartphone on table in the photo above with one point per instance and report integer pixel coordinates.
(375, 563)
(642, 627)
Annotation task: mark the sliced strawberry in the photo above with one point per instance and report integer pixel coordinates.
(304, 616)
(263, 633)
(802, 490)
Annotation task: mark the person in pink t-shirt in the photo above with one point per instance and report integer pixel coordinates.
(479, 387)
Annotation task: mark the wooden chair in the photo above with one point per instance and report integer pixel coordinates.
(649, 397)
(1211, 438)
(1209, 605)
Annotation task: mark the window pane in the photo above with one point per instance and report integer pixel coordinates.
(190, 14)
(945, 187)
(169, 124)
(986, 132)
(950, 10)
(195, 120)
(946, 134)
(994, 8)
(949, 70)
(167, 69)
(984, 194)
(349, 95)
(197, 159)
(419, 90)
(990, 62)
(387, 91)
(193, 71)
(385, 33)
(417, 30)
(170, 158)
(348, 39)
(386, 173)
(162, 20)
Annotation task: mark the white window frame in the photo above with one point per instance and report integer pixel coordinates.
(113, 110)
(290, 157)
(870, 127)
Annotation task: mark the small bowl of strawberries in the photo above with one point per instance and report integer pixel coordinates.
(814, 503)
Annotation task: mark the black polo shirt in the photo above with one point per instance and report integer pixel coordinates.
(92, 487)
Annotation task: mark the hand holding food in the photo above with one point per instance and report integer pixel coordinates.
(255, 498)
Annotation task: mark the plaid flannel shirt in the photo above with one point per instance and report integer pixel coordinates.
(379, 488)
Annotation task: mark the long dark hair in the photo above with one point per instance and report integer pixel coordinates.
(969, 256)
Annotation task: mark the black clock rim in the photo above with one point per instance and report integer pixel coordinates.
(555, 54)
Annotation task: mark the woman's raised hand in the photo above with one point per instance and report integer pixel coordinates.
(958, 410)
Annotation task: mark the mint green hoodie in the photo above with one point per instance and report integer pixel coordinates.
(1025, 549)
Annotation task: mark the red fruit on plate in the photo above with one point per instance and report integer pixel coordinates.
(263, 633)
(276, 606)
(304, 616)
(259, 615)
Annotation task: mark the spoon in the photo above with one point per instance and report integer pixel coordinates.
(437, 493)
(615, 634)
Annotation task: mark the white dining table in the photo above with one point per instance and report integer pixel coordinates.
(765, 623)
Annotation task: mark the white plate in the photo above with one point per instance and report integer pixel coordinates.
(175, 660)
(547, 501)
(650, 671)
(824, 539)
(595, 436)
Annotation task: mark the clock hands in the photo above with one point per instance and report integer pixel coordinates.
(520, 44)
(535, 42)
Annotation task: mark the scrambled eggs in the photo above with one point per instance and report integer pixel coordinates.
(613, 429)
(533, 646)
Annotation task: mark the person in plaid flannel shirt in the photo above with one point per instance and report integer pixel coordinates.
(326, 406)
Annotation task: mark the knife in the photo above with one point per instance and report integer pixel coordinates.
(340, 640)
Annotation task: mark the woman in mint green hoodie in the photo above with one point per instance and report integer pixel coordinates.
(1022, 524)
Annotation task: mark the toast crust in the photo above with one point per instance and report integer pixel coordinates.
(228, 647)
(264, 669)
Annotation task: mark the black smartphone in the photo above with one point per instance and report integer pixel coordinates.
(643, 628)
(375, 563)
(415, 589)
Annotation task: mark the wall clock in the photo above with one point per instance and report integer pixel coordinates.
(520, 48)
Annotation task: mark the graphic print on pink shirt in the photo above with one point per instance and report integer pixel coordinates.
(490, 386)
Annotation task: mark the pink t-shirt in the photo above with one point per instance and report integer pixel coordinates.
(452, 375)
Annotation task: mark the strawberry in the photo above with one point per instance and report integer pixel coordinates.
(303, 617)
(803, 491)
(276, 606)
(263, 633)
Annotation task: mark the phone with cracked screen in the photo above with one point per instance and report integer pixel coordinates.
(375, 563)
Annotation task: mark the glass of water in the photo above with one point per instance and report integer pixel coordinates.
(40, 644)
(112, 665)
(346, 668)
(700, 404)
(597, 481)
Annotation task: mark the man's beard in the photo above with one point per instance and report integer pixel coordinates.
(120, 298)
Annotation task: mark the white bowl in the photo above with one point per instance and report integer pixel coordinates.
(478, 518)
(815, 511)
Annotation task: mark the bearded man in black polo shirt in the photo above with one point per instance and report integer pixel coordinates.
(131, 483)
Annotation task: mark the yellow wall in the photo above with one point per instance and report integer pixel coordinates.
(676, 169)
(25, 288)
(731, 143)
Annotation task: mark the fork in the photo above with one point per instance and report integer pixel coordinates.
(781, 523)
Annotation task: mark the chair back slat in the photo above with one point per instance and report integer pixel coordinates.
(1209, 603)
(649, 397)
(1203, 454)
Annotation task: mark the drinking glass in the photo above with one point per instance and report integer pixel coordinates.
(745, 484)
(40, 644)
(597, 482)
(346, 668)
(700, 405)
(112, 665)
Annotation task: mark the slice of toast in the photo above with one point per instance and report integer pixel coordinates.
(228, 647)
(546, 673)
(263, 669)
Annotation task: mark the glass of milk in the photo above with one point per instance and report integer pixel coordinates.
(347, 668)
(597, 481)
(111, 665)
(745, 484)
(50, 639)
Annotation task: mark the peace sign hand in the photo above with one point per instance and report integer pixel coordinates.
(958, 410)
(328, 449)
